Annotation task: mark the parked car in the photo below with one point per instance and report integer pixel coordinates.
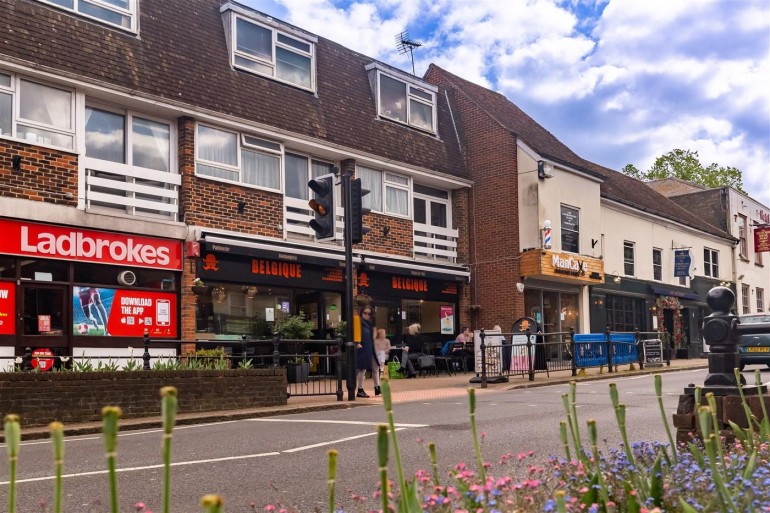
(755, 348)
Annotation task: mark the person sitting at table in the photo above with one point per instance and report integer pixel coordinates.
(464, 347)
(414, 343)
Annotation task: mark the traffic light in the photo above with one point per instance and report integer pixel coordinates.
(358, 211)
(322, 203)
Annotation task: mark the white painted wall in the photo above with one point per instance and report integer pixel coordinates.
(748, 272)
(619, 224)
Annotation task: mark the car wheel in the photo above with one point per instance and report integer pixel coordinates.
(742, 366)
(768, 365)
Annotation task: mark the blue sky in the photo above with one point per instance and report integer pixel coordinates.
(618, 81)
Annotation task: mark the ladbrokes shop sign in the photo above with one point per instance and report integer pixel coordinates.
(565, 266)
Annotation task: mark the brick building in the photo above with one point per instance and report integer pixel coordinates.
(145, 144)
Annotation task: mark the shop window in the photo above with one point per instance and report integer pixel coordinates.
(270, 52)
(625, 313)
(7, 267)
(395, 199)
(120, 13)
(44, 270)
(657, 264)
(711, 262)
(36, 112)
(628, 258)
(233, 310)
(107, 275)
(570, 229)
(235, 157)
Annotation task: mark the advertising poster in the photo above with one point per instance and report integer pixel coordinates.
(7, 308)
(447, 320)
(123, 313)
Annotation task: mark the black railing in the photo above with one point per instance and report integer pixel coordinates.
(313, 367)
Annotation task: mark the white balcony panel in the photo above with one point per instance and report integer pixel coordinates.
(297, 215)
(133, 172)
(435, 243)
(98, 197)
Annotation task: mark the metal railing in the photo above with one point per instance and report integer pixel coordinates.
(563, 351)
(313, 367)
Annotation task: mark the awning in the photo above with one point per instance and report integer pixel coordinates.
(666, 291)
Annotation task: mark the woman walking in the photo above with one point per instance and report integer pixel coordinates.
(365, 357)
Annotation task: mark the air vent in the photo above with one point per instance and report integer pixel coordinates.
(127, 278)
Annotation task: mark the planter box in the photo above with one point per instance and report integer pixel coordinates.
(298, 373)
(73, 397)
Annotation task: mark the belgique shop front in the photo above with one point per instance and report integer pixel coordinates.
(249, 286)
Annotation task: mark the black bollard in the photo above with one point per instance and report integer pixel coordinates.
(146, 355)
(350, 370)
(26, 361)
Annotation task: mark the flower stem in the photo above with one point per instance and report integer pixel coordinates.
(474, 432)
(110, 416)
(13, 443)
(168, 409)
(659, 394)
(332, 477)
(57, 436)
(382, 461)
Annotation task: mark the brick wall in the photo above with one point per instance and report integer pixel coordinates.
(72, 397)
(460, 217)
(492, 212)
(45, 174)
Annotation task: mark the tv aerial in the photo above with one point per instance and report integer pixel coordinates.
(404, 44)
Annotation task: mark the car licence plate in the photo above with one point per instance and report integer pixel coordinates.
(758, 349)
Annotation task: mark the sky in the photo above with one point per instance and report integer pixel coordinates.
(618, 81)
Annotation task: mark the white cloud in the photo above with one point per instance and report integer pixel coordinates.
(636, 81)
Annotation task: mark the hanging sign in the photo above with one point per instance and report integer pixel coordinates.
(761, 239)
(682, 262)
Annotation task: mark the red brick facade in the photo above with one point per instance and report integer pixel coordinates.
(44, 174)
(492, 212)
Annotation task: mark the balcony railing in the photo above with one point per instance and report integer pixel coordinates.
(112, 187)
(435, 243)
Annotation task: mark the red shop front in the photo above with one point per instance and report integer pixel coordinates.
(69, 289)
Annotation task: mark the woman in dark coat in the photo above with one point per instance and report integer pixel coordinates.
(365, 356)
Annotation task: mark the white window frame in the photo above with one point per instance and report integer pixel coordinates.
(745, 298)
(309, 170)
(241, 145)
(710, 268)
(659, 266)
(131, 12)
(632, 262)
(743, 228)
(760, 299)
(434, 199)
(409, 97)
(128, 118)
(275, 43)
(15, 91)
(385, 184)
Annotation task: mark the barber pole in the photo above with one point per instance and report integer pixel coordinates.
(547, 234)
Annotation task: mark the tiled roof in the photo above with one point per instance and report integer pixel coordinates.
(180, 55)
(615, 185)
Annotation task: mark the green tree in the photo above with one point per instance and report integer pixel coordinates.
(685, 165)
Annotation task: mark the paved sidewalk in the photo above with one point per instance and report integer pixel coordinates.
(403, 390)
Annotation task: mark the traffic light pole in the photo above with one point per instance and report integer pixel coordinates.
(349, 313)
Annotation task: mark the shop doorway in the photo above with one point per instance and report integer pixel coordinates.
(46, 322)
(387, 315)
(308, 305)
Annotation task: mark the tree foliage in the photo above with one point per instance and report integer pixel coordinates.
(685, 165)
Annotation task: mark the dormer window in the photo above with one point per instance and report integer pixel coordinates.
(121, 13)
(405, 99)
(268, 51)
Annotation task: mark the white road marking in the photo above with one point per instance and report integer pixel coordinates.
(148, 467)
(321, 444)
(346, 422)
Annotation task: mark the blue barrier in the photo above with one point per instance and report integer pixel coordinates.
(591, 349)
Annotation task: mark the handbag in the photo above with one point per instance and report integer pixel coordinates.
(395, 371)
(426, 361)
